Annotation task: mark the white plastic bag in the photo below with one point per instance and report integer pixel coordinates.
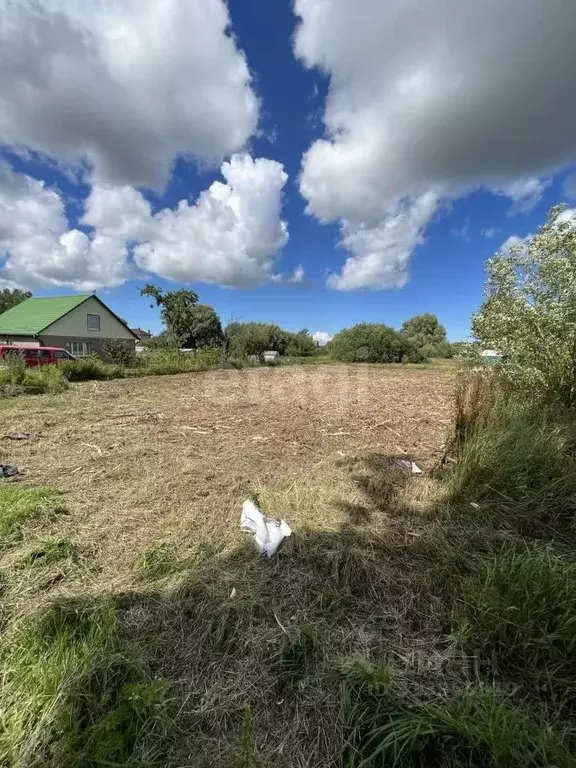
(268, 532)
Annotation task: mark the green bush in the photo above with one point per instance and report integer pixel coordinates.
(528, 312)
(245, 339)
(439, 349)
(167, 361)
(519, 609)
(119, 352)
(372, 343)
(301, 344)
(89, 369)
(45, 379)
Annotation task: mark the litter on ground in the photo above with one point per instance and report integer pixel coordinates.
(409, 464)
(268, 532)
(7, 470)
(22, 436)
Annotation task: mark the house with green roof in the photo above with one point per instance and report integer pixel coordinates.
(80, 324)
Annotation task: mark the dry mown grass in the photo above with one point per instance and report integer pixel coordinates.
(175, 456)
(153, 472)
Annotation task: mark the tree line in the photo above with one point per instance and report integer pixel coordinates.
(190, 324)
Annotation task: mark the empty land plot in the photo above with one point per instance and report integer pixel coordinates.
(153, 473)
(143, 459)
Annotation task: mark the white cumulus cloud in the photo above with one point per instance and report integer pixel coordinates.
(429, 101)
(229, 236)
(125, 85)
(41, 251)
(322, 338)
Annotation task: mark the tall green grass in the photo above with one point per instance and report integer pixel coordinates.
(71, 699)
(389, 727)
(519, 610)
(517, 458)
(17, 379)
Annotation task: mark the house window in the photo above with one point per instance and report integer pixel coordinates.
(93, 322)
(79, 348)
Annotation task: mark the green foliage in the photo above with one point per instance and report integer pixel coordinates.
(17, 379)
(119, 352)
(245, 339)
(18, 504)
(162, 340)
(166, 362)
(192, 325)
(89, 369)
(205, 331)
(45, 379)
(424, 330)
(301, 344)
(519, 609)
(70, 699)
(10, 298)
(476, 727)
(529, 313)
(440, 349)
(372, 343)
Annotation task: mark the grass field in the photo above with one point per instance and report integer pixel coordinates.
(141, 628)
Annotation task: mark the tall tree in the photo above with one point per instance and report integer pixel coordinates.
(190, 324)
(423, 329)
(255, 338)
(10, 298)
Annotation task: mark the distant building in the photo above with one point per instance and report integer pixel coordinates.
(80, 324)
(491, 356)
(270, 356)
(142, 335)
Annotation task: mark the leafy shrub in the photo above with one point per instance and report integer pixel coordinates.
(119, 353)
(372, 343)
(529, 311)
(301, 344)
(245, 339)
(167, 361)
(88, 369)
(520, 608)
(45, 379)
(439, 349)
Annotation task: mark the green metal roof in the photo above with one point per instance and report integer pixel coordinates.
(33, 315)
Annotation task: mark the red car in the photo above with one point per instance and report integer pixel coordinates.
(36, 355)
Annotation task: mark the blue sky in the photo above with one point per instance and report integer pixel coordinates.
(375, 154)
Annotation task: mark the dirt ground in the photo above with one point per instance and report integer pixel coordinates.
(175, 456)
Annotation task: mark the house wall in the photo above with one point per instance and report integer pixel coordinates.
(96, 345)
(9, 339)
(74, 325)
